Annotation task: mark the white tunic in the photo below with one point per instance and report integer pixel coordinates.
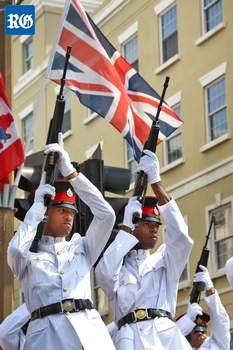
(11, 334)
(229, 271)
(220, 325)
(61, 270)
(135, 279)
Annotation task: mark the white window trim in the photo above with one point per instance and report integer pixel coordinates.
(131, 185)
(90, 118)
(215, 142)
(162, 6)
(174, 99)
(210, 33)
(91, 150)
(172, 165)
(129, 32)
(168, 63)
(24, 113)
(218, 202)
(214, 74)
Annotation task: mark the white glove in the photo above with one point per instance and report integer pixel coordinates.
(132, 207)
(193, 311)
(64, 164)
(203, 277)
(42, 190)
(149, 163)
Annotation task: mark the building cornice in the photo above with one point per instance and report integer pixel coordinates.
(202, 178)
(104, 14)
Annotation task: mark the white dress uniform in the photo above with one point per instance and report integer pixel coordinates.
(135, 279)
(61, 270)
(229, 271)
(11, 334)
(220, 325)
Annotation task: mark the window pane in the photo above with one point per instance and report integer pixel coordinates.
(66, 125)
(168, 21)
(213, 15)
(130, 51)
(174, 148)
(217, 110)
(218, 124)
(28, 132)
(184, 275)
(224, 250)
(27, 55)
(216, 96)
(131, 163)
(223, 234)
(169, 34)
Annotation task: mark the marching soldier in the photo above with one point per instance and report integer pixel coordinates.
(13, 329)
(142, 288)
(56, 279)
(194, 324)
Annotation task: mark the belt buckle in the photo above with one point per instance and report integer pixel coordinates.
(68, 306)
(141, 314)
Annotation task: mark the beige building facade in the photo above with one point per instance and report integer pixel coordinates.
(190, 41)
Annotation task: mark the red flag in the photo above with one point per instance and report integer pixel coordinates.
(11, 147)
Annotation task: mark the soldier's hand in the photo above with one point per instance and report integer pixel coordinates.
(133, 206)
(193, 311)
(149, 163)
(203, 277)
(64, 163)
(42, 190)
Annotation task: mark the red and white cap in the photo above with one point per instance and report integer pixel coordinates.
(65, 195)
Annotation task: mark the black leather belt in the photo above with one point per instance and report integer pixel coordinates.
(65, 306)
(143, 315)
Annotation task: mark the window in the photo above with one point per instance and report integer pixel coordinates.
(184, 276)
(131, 162)
(173, 144)
(223, 235)
(212, 11)
(130, 51)
(169, 44)
(216, 109)
(66, 125)
(27, 128)
(27, 55)
(231, 345)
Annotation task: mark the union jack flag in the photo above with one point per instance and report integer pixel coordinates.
(105, 82)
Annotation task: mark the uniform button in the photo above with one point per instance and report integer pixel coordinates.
(58, 253)
(61, 272)
(65, 290)
(38, 258)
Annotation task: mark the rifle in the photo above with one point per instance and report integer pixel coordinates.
(49, 169)
(140, 186)
(198, 287)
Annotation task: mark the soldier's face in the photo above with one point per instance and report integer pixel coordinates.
(197, 339)
(60, 221)
(147, 234)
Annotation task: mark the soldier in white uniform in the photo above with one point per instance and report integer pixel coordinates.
(229, 271)
(142, 288)
(13, 329)
(56, 279)
(195, 328)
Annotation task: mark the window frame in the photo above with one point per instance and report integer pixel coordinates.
(26, 59)
(215, 272)
(123, 45)
(160, 15)
(207, 114)
(203, 11)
